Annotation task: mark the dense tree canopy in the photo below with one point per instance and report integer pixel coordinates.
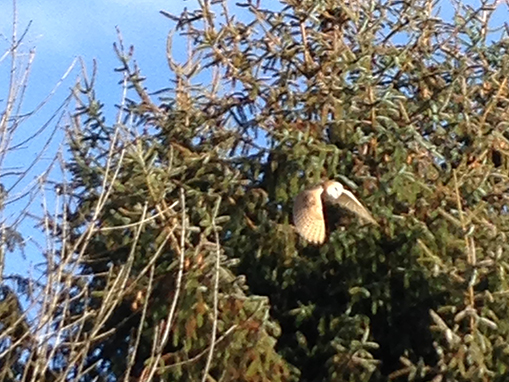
(178, 257)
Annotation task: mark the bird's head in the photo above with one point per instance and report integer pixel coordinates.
(333, 190)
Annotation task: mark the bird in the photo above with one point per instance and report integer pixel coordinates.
(308, 209)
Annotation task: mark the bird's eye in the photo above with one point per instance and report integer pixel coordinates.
(334, 191)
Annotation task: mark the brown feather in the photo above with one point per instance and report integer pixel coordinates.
(308, 215)
(349, 201)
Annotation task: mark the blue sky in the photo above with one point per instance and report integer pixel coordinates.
(60, 32)
(64, 30)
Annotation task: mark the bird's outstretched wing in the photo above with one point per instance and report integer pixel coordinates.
(348, 201)
(308, 215)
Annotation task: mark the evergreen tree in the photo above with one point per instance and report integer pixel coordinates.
(180, 213)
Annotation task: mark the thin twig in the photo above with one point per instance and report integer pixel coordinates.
(216, 293)
(159, 347)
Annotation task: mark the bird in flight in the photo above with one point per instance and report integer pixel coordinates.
(308, 209)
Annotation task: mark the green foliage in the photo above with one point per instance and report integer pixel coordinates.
(15, 341)
(408, 111)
